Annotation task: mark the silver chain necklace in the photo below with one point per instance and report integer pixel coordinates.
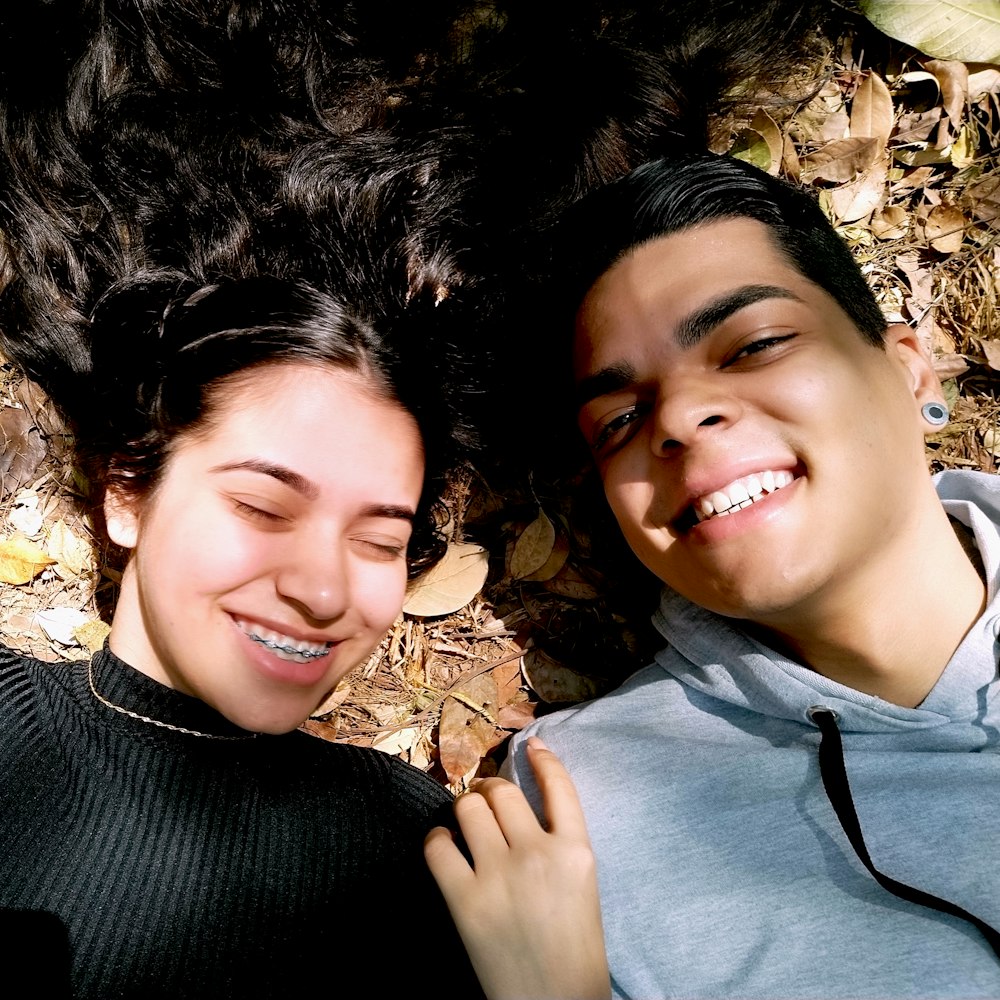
(155, 722)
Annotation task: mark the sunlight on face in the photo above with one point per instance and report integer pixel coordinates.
(754, 448)
(271, 557)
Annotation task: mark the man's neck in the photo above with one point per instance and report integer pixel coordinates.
(893, 633)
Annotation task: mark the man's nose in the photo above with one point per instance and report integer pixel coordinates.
(687, 410)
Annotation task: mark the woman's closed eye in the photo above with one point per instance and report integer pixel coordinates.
(255, 512)
(382, 548)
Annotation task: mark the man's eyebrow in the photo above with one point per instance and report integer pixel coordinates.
(691, 330)
(696, 326)
(297, 482)
(608, 380)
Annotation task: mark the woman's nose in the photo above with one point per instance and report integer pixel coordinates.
(315, 576)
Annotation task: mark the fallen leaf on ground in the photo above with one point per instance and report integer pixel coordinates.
(468, 727)
(967, 30)
(451, 584)
(91, 634)
(840, 160)
(945, 228)
(871, 109)
(555, 562)
(533, 548)
(21, 449)
(554, 682)
(60, 624)
(21, 560)
(70, 552)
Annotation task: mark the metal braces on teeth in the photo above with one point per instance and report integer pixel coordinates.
(271, 644)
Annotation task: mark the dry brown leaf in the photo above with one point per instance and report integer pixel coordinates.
(21, 449)
(468, 727)
(554, 682)
(984, 197)
(858, 199)
(533, 548)
(517, 715)
(991, 348)
(21, 560)
(916, 126)
(984, 81)
(398, 741)
(953, 78)
(837, 126)
(871, 110)
(451, 584)
(840, 160)
(568, 583)
(555, 562)
(950, 366)
(71, 552)
(892, 223)
(945, 228)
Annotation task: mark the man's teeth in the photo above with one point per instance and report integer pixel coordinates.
(284, 646)
(741, 493)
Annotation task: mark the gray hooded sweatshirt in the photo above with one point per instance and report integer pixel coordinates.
(724, 871)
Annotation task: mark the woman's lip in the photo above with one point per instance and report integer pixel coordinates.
(273, 667)
(251, 623)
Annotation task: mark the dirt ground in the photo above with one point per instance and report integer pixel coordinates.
(904, 152)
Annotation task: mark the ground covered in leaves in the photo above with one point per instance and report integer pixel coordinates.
(904, 152)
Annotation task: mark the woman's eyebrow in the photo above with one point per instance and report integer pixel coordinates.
(390, 510)
(696, 326)
(297, 482)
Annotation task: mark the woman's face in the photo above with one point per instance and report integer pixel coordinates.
(271, 557)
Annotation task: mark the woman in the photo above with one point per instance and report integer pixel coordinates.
(261, 454)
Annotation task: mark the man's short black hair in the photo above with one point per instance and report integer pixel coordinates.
(672, 194)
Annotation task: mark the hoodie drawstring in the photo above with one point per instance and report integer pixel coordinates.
(838, 791)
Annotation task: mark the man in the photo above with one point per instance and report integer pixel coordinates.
(759, 434)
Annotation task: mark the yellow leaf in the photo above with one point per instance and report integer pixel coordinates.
(21, 560)
(70, 551)
(751, 147)
(533, 547)
(92, 634)
(451, 584)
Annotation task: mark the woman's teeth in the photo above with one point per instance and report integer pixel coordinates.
(741, 493)
(284, 646)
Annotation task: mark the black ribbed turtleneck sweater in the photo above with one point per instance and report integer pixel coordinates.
(140, 862)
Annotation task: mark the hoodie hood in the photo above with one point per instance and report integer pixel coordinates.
(719, 660)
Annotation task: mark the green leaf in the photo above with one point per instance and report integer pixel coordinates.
(966, 30)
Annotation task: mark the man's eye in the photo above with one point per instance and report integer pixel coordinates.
(761, 346)
(616, 431)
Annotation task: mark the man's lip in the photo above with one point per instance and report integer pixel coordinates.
(704, 484)
(297, 633)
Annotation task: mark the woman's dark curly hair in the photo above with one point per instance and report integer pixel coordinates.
(165, 351)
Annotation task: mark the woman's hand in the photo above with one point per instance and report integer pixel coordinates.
(527, 908)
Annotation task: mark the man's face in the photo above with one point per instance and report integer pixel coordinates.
(756, 451)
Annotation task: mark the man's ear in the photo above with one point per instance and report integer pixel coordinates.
(902, 341)
(121, 519)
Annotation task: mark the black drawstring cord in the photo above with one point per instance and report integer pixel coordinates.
(838, 791)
